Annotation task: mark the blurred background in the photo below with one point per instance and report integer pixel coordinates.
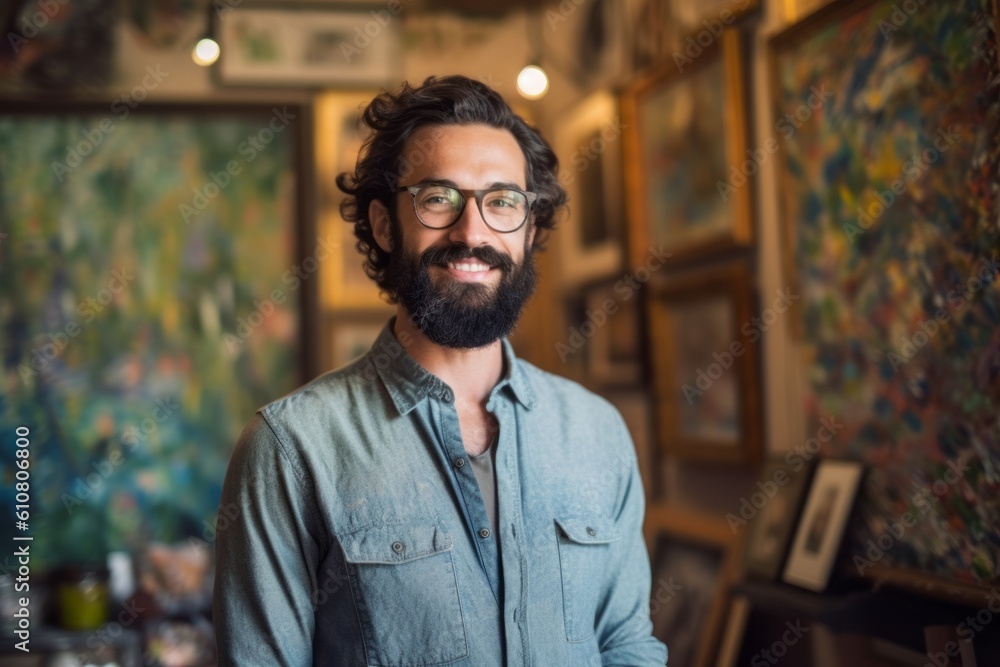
(779, 261)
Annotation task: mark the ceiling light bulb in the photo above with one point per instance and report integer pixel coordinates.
(532, 82)
(205, 52)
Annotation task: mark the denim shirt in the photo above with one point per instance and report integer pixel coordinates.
(356, 533)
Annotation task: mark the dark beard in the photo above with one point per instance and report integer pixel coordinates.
(461, 315)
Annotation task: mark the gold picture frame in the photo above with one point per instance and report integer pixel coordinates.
(705, 366)
(678, 177)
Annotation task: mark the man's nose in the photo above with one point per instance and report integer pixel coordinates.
(470, 228)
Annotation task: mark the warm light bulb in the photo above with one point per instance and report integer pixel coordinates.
(532, 82)
(205, 52)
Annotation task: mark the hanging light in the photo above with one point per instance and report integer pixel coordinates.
(532, 82)
(205, 52)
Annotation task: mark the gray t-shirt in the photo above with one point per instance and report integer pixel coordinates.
(484, 469)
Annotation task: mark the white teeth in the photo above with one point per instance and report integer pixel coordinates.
(468, 266)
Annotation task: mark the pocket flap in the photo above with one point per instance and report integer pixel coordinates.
(589, 531)
(395, 543)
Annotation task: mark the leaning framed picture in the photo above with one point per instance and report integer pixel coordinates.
(340, 135)
(824, 520)
(771, 514)
(705, 367)
(694, 561)
(306, 48)
(685, 139)
(588, 142)
(148, 281)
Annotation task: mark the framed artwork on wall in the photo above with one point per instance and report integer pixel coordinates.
(613, 354)
(589, 145)
(694, 561)
(150, 305)
(339, 137)
(305, 48)
(886, 193)
(685, 133)
(705, 369)
(820, 531)
(773, 515)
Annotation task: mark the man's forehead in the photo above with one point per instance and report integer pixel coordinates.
(477, 150)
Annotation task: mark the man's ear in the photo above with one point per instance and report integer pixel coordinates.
(531, 231)
(378, 217)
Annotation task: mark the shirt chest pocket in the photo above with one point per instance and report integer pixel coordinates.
(406, 593)
(584, 545)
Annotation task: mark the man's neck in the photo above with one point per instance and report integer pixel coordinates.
(471, 373)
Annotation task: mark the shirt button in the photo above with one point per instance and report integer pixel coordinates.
(459, 462)
(446, 396)
(398, 547)
(591, 532)
(484, 532)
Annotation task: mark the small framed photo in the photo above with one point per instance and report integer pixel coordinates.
(289, 47)
(685, 138)
(348, 336)
(821, 529)
(589, 146)
(705, 370)
(770, 515)
(694, 563)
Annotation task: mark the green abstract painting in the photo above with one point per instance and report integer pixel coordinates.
(147, 307)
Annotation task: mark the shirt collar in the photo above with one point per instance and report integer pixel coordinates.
(408, 382)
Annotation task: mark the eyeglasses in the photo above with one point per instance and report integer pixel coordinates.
(504, 210)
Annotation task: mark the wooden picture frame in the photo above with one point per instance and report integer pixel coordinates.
(705, 366)
(676, 168)
(823, 524)
(339, 136)
(301, 47)
(613, 354)
(782, 486)
(588, 142)
(694, 561)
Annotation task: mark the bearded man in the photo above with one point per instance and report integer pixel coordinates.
(439, 501)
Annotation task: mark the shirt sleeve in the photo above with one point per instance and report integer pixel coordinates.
(624, 627)
(266, 556)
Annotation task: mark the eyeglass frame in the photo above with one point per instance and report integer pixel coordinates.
(530, 197)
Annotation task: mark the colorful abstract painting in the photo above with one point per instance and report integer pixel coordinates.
(888, 194)
(148, 305)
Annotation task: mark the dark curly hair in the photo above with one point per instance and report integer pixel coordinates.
(450, 100)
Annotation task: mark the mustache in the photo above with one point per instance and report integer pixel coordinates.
(457, 251)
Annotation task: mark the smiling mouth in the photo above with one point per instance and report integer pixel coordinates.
(469, 266)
